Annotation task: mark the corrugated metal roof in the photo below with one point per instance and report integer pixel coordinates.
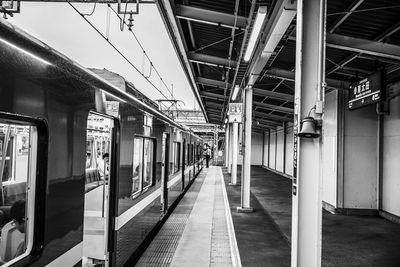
(369, 20)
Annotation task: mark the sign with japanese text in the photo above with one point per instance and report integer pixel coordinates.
(367, 91)
(235, 112)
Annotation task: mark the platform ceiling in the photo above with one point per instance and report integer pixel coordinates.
(214, 35)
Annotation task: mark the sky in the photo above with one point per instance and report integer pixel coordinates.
(62, 28)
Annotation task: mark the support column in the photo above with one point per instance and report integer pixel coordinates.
(234, 153)
(227, 145)
(230, 148)
(307, 206)
(245, 203)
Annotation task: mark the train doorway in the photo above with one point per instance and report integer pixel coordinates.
(99, 160)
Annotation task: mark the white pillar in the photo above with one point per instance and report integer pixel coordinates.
(245, 203)
(307, 206)
(227, 145)
(234, 152)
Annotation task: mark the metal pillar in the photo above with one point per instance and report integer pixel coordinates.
(307, 205)
(234, 153)
(245, 203)
(227, 145)
(230, 148)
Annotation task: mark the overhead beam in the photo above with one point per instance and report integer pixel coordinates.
(209, 17)
(212, 95)
(281, 96)
(274, 107)
(381, 37)
(211, 60)
(363, 46)
(272, 117)
(213, 105)
(290, 76)
(268, 122)
(212, 82)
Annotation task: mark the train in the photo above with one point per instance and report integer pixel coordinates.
(90, 171)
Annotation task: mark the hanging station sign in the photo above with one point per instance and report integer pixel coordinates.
(235, 112)
(367, 91)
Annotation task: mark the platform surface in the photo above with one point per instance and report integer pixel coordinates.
(197, 233)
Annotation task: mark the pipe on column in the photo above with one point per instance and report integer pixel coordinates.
(230, 148)
(234, 153)
(246, 167)
(227, 145)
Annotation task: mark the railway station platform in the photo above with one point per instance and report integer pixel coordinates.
(198, 232)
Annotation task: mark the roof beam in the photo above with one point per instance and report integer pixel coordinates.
(211, 60)
(271, 117)
(385, 34)
(275, 95)
(212, 95)
(209, 17)
(273, 107)
(211, 82)
(268, 122)
(363, 46)
(213, 105)
(290, 76)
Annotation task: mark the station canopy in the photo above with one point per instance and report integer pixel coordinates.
(211, 38)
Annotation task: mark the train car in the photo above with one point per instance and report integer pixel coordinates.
(89, 171)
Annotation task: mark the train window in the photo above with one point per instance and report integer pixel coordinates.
(177, 156)
(143, 164)
(18, 147)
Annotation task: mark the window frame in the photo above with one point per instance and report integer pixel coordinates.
(36, 184)
(142, 188)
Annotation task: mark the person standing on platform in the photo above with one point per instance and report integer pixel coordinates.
(208, 154)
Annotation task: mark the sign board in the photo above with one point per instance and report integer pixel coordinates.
(112, 108)
(10, 6)
(235, 112)
(367, 91)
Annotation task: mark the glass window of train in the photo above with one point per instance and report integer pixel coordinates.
(148, 151)
(137, 165)
(177, 154)
(18, 149)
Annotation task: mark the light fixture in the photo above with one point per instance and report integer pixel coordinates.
(235, 92)
(25, 52)
(261, 15)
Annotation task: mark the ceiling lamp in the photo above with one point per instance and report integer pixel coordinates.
(261, 15)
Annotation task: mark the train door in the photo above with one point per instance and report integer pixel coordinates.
(183, 163)
(98, 181)
(165, 171)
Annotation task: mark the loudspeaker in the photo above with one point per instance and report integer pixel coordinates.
(308, 128)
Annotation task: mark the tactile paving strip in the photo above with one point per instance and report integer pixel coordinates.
(220, 246)
(162, 248)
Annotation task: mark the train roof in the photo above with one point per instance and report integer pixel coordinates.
(22, 41)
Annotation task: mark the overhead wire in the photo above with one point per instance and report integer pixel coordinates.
(363, 10)
(122, 20)
(141, 46)
(91, 13)
(106, 38)
(115, 48)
